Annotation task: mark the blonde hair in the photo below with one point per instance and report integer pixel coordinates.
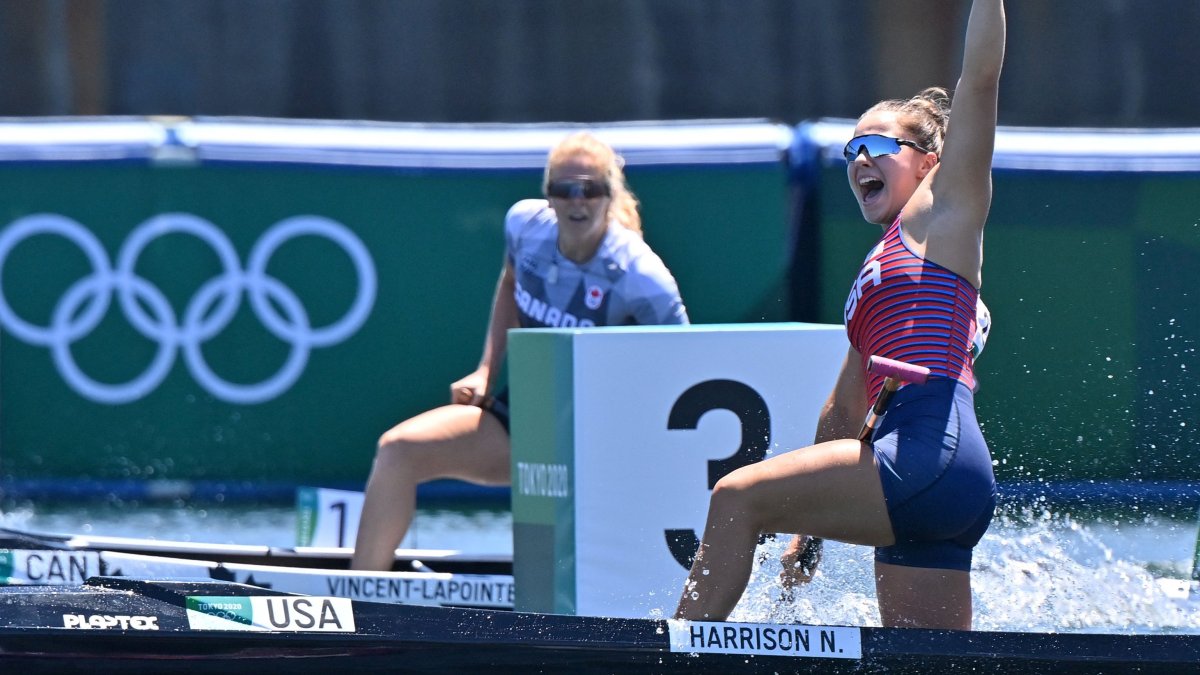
(624, 205)
(925, 116)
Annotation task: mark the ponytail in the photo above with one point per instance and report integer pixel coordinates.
(925, 116)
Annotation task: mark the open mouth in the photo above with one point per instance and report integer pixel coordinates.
(869, 187)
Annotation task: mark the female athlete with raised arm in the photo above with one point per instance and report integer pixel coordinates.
(921, 490)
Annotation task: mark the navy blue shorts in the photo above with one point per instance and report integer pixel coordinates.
(498, 406)
(937, 477)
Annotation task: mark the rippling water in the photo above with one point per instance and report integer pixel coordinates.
(1039, 571)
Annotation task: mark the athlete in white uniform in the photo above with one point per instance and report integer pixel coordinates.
(624, 283)
(574, 259)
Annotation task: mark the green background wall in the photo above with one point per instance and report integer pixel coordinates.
(436, 239)
(1090, 273)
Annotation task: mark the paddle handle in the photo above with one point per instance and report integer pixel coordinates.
(899, 370)
(896, 373)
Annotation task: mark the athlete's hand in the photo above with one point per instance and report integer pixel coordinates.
(470, 390)
(800, 561)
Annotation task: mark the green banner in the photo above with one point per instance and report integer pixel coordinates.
(260, 301)
(543, 465)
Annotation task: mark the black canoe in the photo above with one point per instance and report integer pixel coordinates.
(127, 625)
(449, 578)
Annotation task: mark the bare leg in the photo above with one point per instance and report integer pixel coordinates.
(829, 490)
(918, 597)
(454, 441)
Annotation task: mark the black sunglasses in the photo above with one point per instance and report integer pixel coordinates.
(576, 188)
(876, 145)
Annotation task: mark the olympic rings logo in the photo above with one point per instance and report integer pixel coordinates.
(208, 312)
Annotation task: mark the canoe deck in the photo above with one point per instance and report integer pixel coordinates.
(115, 624)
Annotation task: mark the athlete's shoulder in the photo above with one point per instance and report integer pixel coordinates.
(527, 212)
(626, 247)
(640, 263)
(527, 222)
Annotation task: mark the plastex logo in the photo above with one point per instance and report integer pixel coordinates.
(271, 613)
(110, 621)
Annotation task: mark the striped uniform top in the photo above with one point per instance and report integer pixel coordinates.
(910, 309)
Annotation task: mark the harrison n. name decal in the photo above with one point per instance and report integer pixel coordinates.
(710, 637)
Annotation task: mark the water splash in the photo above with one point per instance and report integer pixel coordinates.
(1032, 573)
(841, 593)
(1035, 570)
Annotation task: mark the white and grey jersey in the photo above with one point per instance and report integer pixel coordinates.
(625, 283)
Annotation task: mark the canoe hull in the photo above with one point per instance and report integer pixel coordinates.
(115, 624)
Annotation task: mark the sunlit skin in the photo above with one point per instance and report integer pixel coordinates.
(582, 222)
(884, 185)
(934, 208)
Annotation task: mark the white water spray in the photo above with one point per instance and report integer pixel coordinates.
(1031, 573)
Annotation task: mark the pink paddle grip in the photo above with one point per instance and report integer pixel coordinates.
(897, 369)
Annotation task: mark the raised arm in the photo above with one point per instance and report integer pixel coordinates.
(971, 135)
(961, 184)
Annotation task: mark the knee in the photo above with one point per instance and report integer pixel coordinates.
(394, 448)
(734, 493)
(737, 484)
